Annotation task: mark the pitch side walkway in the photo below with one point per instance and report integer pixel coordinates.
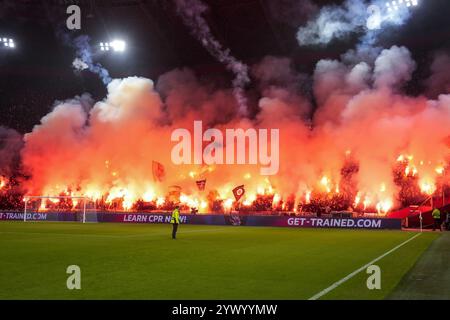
(430, 276)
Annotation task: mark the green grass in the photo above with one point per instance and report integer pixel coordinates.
(140, 261)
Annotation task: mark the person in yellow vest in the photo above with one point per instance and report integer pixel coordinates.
(175, 220)
(437, 219)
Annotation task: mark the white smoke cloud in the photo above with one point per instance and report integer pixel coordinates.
(79, 64)
(353, 16)
(333, 22)
(358, 77)
(393, 67)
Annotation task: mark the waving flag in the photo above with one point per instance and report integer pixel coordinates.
(238, 192)
(201, 184)
(158, 171)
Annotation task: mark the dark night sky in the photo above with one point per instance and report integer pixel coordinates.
(39, 71)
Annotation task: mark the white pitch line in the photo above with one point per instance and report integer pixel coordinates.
(351, 275)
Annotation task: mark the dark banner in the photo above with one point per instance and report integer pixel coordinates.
(235, 220)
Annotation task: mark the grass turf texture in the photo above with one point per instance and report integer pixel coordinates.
(140, 261)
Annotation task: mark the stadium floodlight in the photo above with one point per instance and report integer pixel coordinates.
(104, 46)
(115, 45)
(7, 43)
(118, 45)
(395, 5)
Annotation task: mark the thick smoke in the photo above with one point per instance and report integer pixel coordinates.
(191, 11)
(362, 119)
(278, 81)
(393, 67)
(352, 17)
(377, 123)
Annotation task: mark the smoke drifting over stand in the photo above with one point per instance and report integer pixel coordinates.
(363, 120)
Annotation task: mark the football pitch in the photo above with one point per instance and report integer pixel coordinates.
(141, 261)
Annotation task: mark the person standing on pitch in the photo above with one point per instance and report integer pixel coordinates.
(437, 219)
(175, 220)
